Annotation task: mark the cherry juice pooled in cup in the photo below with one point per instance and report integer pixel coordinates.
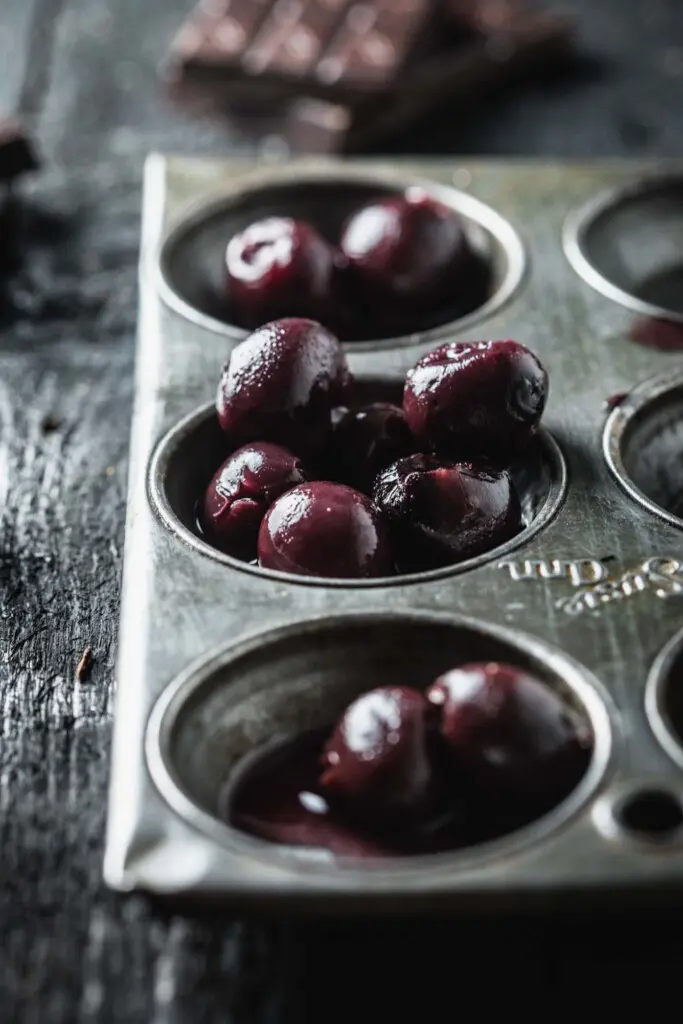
(320, 485)
(488, 749)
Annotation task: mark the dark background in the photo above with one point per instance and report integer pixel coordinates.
(83, 73)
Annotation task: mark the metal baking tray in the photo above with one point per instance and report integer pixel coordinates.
(217, 656)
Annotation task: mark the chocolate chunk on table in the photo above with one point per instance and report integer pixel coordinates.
(17, 153)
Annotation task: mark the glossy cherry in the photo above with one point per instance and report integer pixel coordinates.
(408, 253)
(481, 398)
(441, 512)
(281, 384)
(280, 267)
(511, 732)
(377, 759)
(325, 529)
(242, 491)
(365, 441)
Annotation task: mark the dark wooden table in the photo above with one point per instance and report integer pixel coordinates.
(83, 74)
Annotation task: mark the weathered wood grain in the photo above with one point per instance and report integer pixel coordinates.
(83, 71)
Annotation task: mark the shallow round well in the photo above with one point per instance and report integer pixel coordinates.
(642, 444)
(627, 243)
(664, 698)
(193, 255)
(302, 676)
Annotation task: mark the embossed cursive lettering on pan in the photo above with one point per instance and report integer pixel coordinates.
(660, 574)
(579, 571)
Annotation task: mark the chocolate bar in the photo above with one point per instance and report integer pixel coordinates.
(453, 77)
(344, 74)
(17, 154)
(340, 48)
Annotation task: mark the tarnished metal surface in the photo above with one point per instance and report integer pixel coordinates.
(591, 598)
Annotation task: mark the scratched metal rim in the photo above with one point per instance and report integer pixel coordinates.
(476, 213)
(405, 875)
(632, 410)
(549, 453)
(580, 221)
(656, 698)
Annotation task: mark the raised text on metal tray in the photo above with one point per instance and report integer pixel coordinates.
(659, 574)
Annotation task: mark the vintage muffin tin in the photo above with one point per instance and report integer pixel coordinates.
(217, 657)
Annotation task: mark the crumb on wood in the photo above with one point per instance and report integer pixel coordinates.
(50, 423)
(84, 665)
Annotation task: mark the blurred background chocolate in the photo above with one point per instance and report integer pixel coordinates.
(17, 158)
(338, 49)
(17, 152)
(339, 76)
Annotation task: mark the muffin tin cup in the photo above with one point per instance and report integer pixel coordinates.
(664, 698)
(301, 676)
(627, 243)
(642, 445)
(192, 256)
(218, 657)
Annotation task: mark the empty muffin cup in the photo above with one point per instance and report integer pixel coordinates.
(664, 698)
(628, 244)
(221, 713)
(191, 452)
(192, 261)
(643, 445)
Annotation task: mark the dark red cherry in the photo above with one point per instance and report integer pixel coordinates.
(480, 398)
(365, 441)
(325, 529)
(281, 267)
(242, 491)
(511, 732)
(407, 253)
(377, 761)
(441, 512)
(281, 385)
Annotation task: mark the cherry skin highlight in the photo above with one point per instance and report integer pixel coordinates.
(377, 759)
(408, 254)
(511, 733)
(476, 399)
(281, 267)
(281, 384)
(241, 492)
(441, 512)
(326, 530)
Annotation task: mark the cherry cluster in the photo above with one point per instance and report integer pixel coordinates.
(317, 485)
(399, 259)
